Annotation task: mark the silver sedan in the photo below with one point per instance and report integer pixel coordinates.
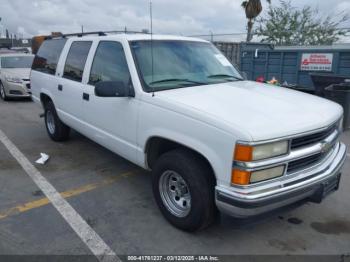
(14, 75)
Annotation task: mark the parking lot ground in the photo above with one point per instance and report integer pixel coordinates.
(23, 232)
(115, 198)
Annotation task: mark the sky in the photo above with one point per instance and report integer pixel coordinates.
(182, 17)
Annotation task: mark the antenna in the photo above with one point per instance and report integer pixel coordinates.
(152, 58)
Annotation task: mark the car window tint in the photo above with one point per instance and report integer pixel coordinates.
(48, 55)
(76, 59)
(109, 64)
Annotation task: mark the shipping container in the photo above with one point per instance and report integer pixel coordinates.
(293, 65)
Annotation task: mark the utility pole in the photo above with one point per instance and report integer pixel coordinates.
(211, 36)
(82, 29)
(1, 28)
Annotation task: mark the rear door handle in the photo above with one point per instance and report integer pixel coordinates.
(60, 87)
(86, 96)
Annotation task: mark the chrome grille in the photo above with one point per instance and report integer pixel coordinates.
(307, 140)
(303, 163)
(310, 140)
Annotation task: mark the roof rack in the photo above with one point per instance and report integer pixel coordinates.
(99, 33)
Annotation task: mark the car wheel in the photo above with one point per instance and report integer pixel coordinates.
(56, 129)
(2, 92)
(184, 189)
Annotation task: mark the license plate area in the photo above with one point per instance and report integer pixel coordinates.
(326, 188)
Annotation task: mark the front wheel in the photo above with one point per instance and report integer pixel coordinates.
(56, 129)
(183, 186)
(2, 92)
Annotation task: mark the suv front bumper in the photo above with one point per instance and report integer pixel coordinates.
(314, 184)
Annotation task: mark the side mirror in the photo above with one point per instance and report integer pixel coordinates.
(113, 89)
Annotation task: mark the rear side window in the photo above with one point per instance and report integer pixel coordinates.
(76, 59)
(109, 64)
(47, 57)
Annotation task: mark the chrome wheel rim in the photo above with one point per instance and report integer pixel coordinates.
(50, 121)
(175, 193)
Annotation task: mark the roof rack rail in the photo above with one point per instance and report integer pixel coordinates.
(99, 33)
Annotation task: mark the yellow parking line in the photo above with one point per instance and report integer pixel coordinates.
(67, 194)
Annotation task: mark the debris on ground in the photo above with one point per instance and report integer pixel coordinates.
(43, 159)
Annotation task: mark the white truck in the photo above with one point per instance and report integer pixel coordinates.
(176, 106)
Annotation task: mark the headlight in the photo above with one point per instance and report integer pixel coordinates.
(13, 79)
(259, 152)
(248, 153)
(242, 177)
(266, 174)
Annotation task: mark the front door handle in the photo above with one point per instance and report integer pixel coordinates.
(86, 96)
(60, 87)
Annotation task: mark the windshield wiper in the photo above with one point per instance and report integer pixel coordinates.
(224, 76)
(176, 80)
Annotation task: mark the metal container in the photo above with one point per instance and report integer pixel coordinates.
(230, 50)
(293, 65)
(340, 93)
(321, 81)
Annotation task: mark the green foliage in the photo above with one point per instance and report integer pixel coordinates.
(287, 25)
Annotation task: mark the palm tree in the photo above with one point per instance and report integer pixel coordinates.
(252, 9)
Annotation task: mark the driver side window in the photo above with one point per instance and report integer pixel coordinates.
(109, 64)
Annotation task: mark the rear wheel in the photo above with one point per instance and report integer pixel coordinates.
(2, 92)
(183, 186)
(56, 129)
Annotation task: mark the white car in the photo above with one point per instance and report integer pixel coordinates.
(178, 107)
(14, 75)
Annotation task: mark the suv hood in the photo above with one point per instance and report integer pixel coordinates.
(264, 111)
(22, 73)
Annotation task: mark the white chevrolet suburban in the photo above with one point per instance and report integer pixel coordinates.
(178, 107)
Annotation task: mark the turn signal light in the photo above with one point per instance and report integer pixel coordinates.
(240, 177)
(243, 153)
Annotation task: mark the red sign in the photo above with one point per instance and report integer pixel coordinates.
(317, 62)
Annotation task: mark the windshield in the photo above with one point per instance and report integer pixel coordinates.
(178, 64)
(17, 62)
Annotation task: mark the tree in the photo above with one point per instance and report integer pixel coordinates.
(252, 9)
(287, 25)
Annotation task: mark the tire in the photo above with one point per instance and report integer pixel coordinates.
(189, 206)
(2, 92)
(56, 129)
